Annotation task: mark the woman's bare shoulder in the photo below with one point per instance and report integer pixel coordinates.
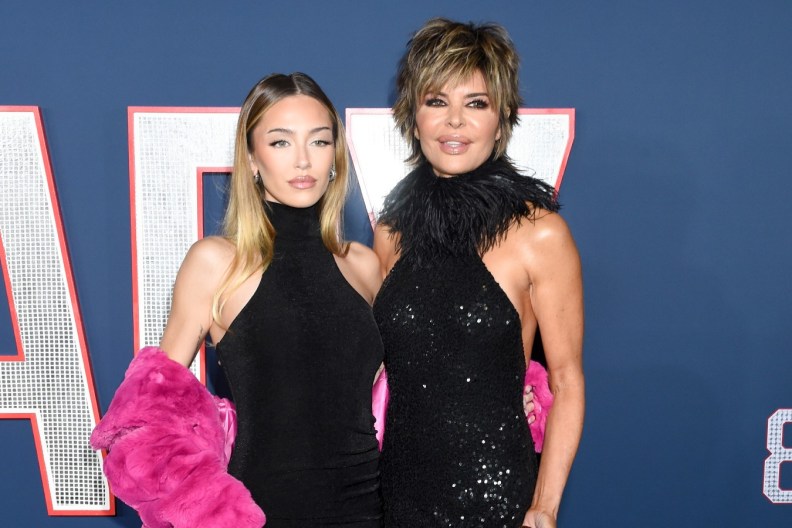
(210, 254)
(365, 266)
(385, 247)
(544, 244)
(199, 277)
(362, 254)
(545, 228)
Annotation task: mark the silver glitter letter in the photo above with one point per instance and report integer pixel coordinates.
(170, 149)
(48, 381)
(779, 455)
(539, 146)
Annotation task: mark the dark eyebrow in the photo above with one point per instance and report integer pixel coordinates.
(291, 132)
(467, 96)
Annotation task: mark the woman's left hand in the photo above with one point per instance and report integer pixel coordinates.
(539, 519)
(528, 404)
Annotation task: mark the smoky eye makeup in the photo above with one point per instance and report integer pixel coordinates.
(479, 102)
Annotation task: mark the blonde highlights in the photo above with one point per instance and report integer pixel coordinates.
(443, 52)
(246, 223)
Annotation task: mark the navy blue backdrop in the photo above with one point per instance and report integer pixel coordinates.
(677, 191)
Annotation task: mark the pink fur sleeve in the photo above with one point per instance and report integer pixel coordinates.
(168, 442)
(535, 376)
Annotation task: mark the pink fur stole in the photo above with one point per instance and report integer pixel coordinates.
(535, 376)
(168, 442)
(380, 395)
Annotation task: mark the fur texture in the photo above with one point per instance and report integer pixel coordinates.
(536, 377)
(168, 449)
(379, 404)
(462, 215)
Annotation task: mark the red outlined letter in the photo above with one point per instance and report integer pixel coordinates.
(539, 146)
(167, 148)
(778, 456)
(49, 380)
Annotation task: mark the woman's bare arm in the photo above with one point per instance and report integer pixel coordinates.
(190, 318)
(556, 294)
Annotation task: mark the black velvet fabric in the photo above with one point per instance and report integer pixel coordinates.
(300, 359)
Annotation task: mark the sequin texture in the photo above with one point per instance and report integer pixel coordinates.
(457, 449)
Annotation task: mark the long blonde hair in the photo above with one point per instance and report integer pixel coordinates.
(246, 224)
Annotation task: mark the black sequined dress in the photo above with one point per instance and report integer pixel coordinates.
(300, 359)
(457, 449)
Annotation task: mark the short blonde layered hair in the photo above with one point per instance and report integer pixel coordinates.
(246, 223)
(444, 51)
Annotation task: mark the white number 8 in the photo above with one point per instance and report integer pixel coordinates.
(778, 455)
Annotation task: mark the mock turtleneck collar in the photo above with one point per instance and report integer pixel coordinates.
(293, 223)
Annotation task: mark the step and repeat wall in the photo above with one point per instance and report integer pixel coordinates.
(664, 127)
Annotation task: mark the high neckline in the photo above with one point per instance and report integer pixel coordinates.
(293, 223)
(463, 215)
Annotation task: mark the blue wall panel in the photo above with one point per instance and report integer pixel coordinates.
(677, 191)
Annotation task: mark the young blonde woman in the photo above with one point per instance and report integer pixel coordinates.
(287, 303)
(477, 262)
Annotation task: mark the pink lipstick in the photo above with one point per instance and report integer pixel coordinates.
(303, 182)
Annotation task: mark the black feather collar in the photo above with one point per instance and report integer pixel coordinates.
(461, 215)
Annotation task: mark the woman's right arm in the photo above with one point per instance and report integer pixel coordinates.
(190, 318)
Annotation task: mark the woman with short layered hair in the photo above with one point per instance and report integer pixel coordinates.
(444, 52)
(477, 261)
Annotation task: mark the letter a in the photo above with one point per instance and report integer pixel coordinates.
(48, 381)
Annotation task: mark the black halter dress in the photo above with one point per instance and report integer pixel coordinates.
(457, 450)
(300, 359)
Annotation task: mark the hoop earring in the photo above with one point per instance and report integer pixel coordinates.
(332, 172)
(257, 178)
